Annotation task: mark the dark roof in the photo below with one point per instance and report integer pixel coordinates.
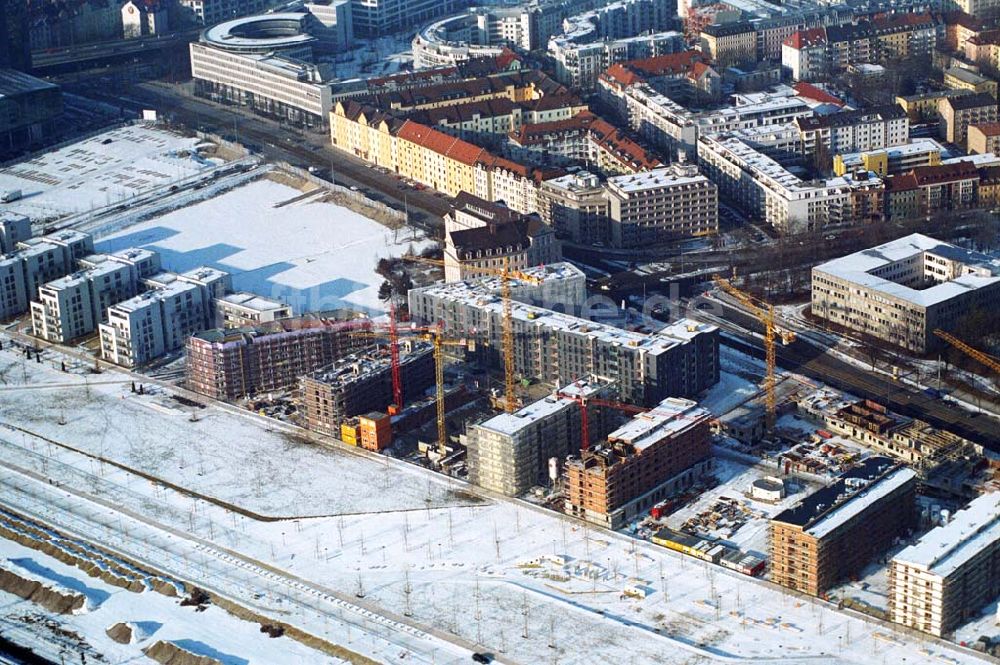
(972, 101)
(815, 507)
(846, 118)
(512, 235)
(488, 211)
(727, 29)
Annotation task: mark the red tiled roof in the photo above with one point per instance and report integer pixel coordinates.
(988, 128)
(698, 70)
(661, 65)
(806, 38)
(810, 91)
(622, 75)
(924, 176)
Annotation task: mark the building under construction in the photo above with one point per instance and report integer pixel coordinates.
(680, 360)
(643, 462)
(511, 452)
(835, 532)
(237, 363)
(361, 382)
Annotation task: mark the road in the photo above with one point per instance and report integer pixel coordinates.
(815, 362)
(280, 142)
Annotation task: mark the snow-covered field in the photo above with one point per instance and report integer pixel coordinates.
(154, 617)
(310, 254)
(523, 583)
(239, 460)
(107, 169)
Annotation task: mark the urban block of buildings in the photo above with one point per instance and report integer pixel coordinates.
(644, 461)
(361, 383)
(679, 360)
(835, 532)
(951, 573)
(242, 362)
(903, 290)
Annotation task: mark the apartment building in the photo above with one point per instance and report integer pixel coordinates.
(211, 12)
(925, 107)
(957, 113)
(804, 55)
(657, 119)
(767, 191)
(580, 64)
(681, 76)
(854, 131)
(984, 138)
(377, 18)
(14, 229)
(512, 452)
(488, 235)
(35, 261)
(661, 205)
(679, 360)
(584, 138)
(576, 206)
(73, 306)
(232, 364)
(153, 323)
(361, 382)
(927, 190)
(642, 462)
(951, 573)
(730, 44)
(246, 310)
(903, 290)
(960, 78)
(893, 160)
(835, 532)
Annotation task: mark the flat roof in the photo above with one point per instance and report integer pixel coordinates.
(13, 82)
(945, 549)
(511, 423)
(854, 491)
(664, 177)
(669, 417)
(856, 268)
(226, 34)
(251, 301)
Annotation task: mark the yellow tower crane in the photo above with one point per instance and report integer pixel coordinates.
(974, 353)
(764, 312)
(505, 274)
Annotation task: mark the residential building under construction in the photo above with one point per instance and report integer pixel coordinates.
(512, 452)
(682, 359)
(835, 532)
(644, 461)
(232, 364)
(950, 574)
(361, 383)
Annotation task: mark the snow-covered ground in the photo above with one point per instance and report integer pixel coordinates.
(107, 169)
(310, 254)
(155, 617)
(382, 56)
(523, 583)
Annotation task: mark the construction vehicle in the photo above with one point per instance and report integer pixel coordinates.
(986, 359)
(505, 274)
(764, 312)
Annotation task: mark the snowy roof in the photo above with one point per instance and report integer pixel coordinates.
(976, 159)
(946, 548)
(655, 179)
(669, 417)
(511, 423)
(978, 269)
(251, 301)
(276, 31)
(916, 146)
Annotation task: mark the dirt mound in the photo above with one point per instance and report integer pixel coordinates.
(168, 653)
(61, 602)
(121, 633)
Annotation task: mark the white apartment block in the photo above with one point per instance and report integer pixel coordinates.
(576, 206)
(242, 309)
(655, 117)
(854, 131)
(657, 206)
(768, 192)
(13, 229)
(901, 291)
(755, 110)
(73, 306)
(579, 65)
(378, 18)
(950, 574)
(272, 85)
